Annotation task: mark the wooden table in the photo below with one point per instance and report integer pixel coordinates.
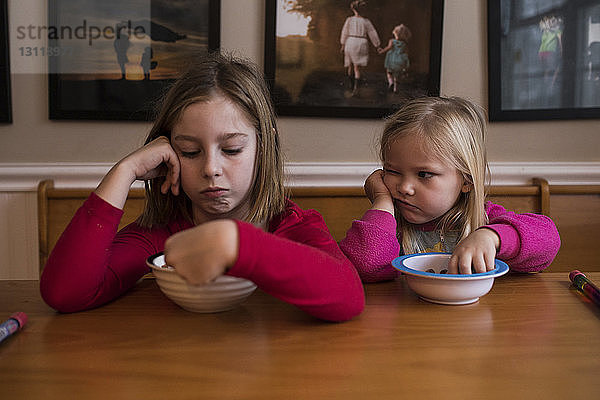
(532, 336)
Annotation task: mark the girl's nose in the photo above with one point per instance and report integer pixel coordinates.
(406, 187)
(212, 165)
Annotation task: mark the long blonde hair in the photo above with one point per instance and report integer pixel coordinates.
(453, 129)
(240, 81)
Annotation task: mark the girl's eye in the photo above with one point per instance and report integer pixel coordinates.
(232, 151)
(425, 174)
(389, 171)
(189, 154)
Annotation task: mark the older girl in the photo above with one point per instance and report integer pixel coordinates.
(354, 39)
(215, 204)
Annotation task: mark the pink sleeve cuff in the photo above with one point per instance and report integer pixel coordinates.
(510, 243)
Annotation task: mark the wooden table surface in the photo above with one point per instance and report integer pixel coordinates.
(532, 336)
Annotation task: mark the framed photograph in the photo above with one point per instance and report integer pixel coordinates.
(5, 101)
(544, 59)
(351, 59)
(113, 59)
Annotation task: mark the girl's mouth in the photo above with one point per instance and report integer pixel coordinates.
(214, 192)
(404, 204)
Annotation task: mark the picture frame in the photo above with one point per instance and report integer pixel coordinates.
(125, 55)
(544, 60)
(5, 86)
(309, 75)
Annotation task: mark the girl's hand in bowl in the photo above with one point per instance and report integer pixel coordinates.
(205, 252)
(478, 250)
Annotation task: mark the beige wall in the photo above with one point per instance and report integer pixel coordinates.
(33, 138)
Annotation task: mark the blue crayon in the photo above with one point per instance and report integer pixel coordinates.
(13, 324)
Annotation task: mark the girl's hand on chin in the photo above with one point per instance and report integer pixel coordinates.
(203, 253)
(478, 250)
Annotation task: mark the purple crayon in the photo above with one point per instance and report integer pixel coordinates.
(14, 323)
(584, 285)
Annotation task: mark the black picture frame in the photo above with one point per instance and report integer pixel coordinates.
(306, 71)
(5, 92)
(544, 63)
(192, 27)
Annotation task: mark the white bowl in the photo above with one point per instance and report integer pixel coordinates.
(442, 288)
(222, 294)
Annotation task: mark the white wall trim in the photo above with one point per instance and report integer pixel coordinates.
(24, 177)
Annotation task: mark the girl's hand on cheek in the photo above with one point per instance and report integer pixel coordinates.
(478, 250)
(155, 159)
(378, 193)
(203, 253)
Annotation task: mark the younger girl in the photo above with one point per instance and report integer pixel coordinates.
(215, 204)
(430, 197)
(396, 60)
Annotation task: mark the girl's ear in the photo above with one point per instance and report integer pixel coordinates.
(466, 187)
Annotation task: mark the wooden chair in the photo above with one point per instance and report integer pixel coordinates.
(523, 198)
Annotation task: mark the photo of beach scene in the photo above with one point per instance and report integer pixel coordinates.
(113, 59)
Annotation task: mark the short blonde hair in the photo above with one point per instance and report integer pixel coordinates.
(402, 32)
(240, 81)
(454, 130)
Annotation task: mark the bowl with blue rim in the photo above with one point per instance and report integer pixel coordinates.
(427, 275)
